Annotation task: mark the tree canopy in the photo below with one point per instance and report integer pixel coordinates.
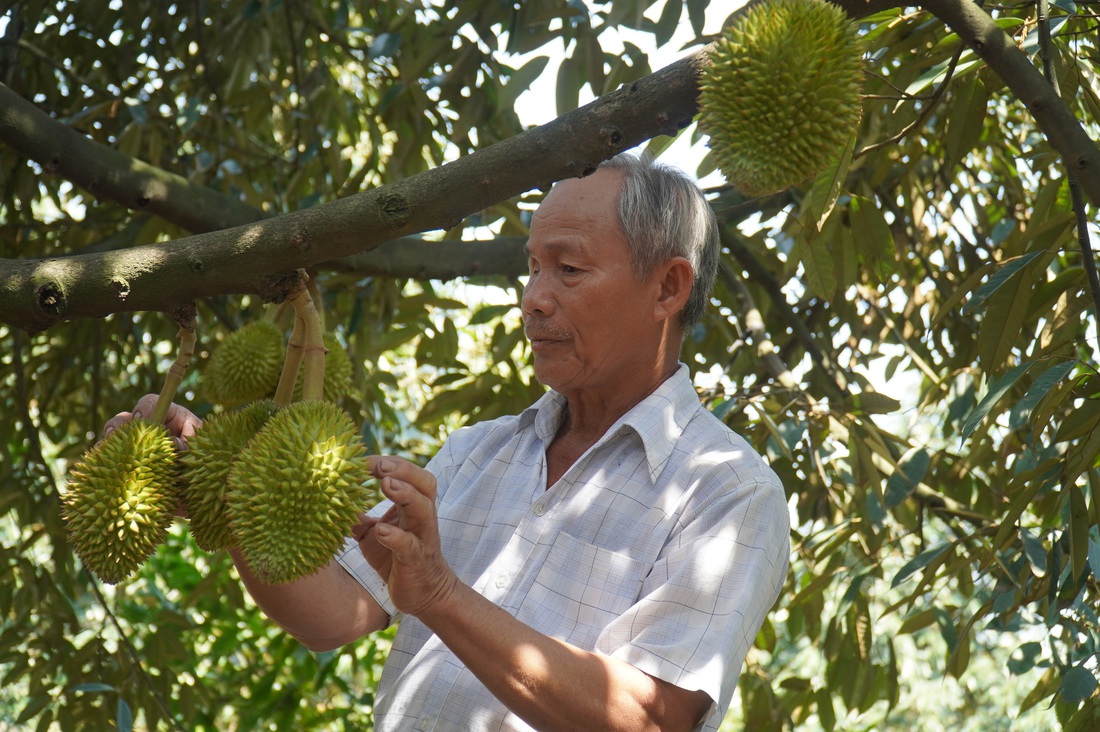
(910, 337)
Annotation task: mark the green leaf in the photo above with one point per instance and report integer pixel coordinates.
(872, 236)
(828, 184)
(1035, 552)
(489, 313)
(1042, 385)
(568, 88)
(521, 79)
(922, 560)
(999, 278)
(996, 391)
(124, 718)
(910, 472)
(818, 264)
(93, 687)
(1078, 684)
(697, 15)
(966, 121)
(670, 18)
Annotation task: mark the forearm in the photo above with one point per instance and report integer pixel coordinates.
(323, 611)
(551, 684)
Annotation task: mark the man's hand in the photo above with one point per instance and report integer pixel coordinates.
(180, 422)
(403, 546)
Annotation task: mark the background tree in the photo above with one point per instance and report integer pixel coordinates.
(910, 337)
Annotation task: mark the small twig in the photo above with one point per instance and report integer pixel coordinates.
(131, 651)
(924, 113)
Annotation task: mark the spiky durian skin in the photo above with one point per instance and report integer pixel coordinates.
(337, 371)
(211, 452)
(245, 367)
(781, 96)
(296, 489)
(122, 497)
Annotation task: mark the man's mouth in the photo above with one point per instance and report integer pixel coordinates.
(541, 337)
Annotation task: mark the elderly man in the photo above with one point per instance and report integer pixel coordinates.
(602, 561)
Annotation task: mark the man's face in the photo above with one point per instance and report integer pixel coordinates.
(589, 319)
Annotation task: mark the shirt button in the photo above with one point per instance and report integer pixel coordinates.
(425, 723)
(540, 509)
(502, 579)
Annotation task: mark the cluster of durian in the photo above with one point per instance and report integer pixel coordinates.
(781, 96)
(282, 484)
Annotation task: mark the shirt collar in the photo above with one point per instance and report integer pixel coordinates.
(658, 420)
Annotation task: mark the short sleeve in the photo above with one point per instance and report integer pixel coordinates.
(442, 466)
(707, 595)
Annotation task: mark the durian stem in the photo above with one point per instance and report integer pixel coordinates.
(295, 351)
(313, 378)
(318, 303)
(176, 371)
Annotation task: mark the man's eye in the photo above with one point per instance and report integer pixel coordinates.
(569, 269)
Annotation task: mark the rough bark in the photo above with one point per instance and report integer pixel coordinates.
(256, 254)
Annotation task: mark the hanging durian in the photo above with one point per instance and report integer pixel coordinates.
(121, 498)
(211, 452)
(296, 489)
(122, 494)
(337, 371)
(246, 365)
(781, 96)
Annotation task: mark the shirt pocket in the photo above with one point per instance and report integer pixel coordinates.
(580, 589)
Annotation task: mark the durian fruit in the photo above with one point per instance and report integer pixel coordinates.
(337, 371)
(245, 366)
(211, 452)
(121, 499)
(296, 489)
(781, 96)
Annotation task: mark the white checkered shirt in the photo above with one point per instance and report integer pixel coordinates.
(664, 545)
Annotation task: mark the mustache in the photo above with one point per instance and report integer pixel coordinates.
(540, 329)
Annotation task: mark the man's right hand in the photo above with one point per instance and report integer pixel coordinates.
(180, 422)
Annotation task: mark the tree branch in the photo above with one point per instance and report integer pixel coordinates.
(1063, 131)
(254, 256)
(36, 294)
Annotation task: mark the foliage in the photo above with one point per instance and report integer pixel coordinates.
(910, 339)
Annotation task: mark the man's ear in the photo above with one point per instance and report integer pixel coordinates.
(675, 279)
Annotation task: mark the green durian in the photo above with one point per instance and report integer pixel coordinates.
(121, 499)
(206, 465)
(296, 489)
(337, 371)
(245, 367)
(781, 96)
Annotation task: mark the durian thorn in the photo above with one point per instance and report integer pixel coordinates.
(176, 371)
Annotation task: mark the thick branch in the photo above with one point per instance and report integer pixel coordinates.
(996, 48)
(418, 259)
(106, 173)
(35, 294)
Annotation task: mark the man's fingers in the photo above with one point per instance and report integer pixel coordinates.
(399, 543)
(384, 466)
(144, 407)
(416, 510)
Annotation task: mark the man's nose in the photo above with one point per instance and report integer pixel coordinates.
(537, 296)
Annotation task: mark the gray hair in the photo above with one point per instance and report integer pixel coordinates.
(663, 214)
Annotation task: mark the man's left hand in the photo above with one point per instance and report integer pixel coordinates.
(403, 545)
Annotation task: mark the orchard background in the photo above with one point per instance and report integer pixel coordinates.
(910, 337)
